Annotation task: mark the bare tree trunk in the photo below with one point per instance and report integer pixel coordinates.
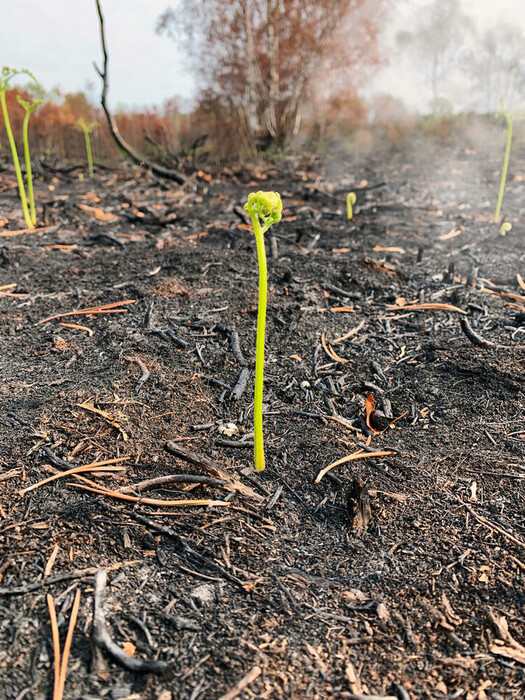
(488, 84)
(434, 80)
(273, 56)
(297, 122)
(291, 116)
(113, 126)
(251, 71)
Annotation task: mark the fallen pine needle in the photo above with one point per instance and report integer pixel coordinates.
(8, 290)
(77, 327)
(399, 497)
(342, 421)
(350, 458)
(153, 501)
(105, 308)
(342, 309)
(331, 352)
(430, 306)
(350, 333)
(56, 644)
(517, 306)
(110, 418)
(450, 234)
(510, 295)
(394, 420)
(51, 561)
(242, 684)
(25, 230)
(94, 467)
(393, 249)
(67, 646)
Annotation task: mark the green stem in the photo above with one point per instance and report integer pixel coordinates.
(88, 151)
(14, 152)
(29, 173)
(504, 171)
(259, 352)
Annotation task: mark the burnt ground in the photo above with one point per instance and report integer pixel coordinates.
(283, 579)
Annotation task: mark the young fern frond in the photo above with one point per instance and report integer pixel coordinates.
(510, 118)
(351, 199)
(87, 129)
(264, 209)
(29, 109)
(6, 76)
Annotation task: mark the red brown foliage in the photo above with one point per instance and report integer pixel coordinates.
(52, 128)
(261, 62)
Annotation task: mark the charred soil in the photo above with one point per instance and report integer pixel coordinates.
(399, 575)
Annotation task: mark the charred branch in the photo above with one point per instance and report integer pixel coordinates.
(113, 126)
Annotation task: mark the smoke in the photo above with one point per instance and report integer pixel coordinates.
(476, 47)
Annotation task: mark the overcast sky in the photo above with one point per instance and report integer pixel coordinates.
(58, 41)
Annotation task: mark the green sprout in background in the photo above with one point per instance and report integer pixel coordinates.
(29, 109)
(6, 76)
(264, 209)
(511, 118)
(351, 199)
(87, 129)
(505, 228)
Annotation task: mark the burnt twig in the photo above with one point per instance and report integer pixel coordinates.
(57, 460)
(474, 337)
(481, 342)
(235, 345)
(102, 638)
(234, 443)
(171, 479)
(145, 372)
(240, 385)
(212, 468)
(69, 576)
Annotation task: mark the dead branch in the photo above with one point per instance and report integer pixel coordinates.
(113, 126)
(70, 576)
(102, 638)
(474, 337)
(210, 466)
(171, 479)
(477, 339)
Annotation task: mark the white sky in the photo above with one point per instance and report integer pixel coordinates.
(58, 41)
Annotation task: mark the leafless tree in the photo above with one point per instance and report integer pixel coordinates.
(497, 66)
(437, 40)
(260, 57)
